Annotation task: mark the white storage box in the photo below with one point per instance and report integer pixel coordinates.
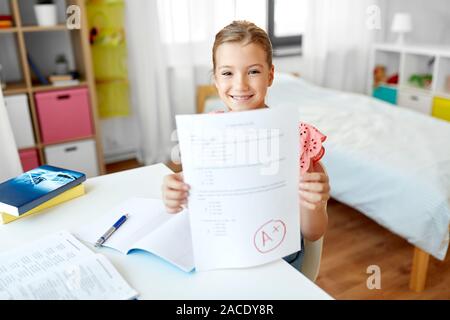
(416, 101)
(20, 119)
(78, 156)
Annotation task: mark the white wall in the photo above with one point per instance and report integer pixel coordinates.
(430, 19)
(120, 138)
(289, 64)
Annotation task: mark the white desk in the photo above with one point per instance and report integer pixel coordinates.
(152, 277)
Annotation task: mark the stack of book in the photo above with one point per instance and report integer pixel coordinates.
(38, 189)
(5, 21)
(62, 80)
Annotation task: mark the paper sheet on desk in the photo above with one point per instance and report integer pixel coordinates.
(243, 171)
(148, 228)
(59, 266)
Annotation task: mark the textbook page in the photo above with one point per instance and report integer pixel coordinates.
(35, 259)
(59, 266)
(91, 277)
(243, 169)
(149, 227)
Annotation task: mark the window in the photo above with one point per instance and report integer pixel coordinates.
(286, 25)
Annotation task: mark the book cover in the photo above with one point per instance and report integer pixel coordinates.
(32, 188)
(60, 77)
(63, 197)
(36, 71)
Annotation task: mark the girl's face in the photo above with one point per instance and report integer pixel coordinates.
(242, 75)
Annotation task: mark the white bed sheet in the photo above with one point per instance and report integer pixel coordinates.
(390, 163)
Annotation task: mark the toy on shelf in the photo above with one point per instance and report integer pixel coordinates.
(379, 75)
(61, 64)
(92, 35)
(422, 81)
(393, 79)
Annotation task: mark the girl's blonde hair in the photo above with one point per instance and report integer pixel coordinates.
(244, 32)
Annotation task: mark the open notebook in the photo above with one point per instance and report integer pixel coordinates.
(149, 228)
(59, 267)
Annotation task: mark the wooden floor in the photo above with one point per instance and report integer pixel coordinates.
(352, 243)
(123, 165)
(133, 163)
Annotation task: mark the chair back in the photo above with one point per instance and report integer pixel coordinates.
(311, 260)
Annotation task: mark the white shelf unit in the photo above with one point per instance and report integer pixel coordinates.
(407, 60)
(442, 80)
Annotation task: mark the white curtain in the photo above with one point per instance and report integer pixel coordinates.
(9, 160)
(148, 80)
(337, 41)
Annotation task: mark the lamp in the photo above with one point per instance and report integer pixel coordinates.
(401, 24)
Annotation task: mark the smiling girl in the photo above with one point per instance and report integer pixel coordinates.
(243, 71)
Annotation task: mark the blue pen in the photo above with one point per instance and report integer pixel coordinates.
(111, 230)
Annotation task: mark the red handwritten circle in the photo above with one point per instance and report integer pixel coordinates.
(266, 233)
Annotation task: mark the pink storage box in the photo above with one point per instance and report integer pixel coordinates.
(64, 114)
(29, 159)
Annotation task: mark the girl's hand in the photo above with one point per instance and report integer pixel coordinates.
(314, 188)
(174, 192)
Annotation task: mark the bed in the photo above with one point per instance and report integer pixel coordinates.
(390, 163)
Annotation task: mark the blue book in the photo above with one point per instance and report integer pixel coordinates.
(32, 188)
(36, 71)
